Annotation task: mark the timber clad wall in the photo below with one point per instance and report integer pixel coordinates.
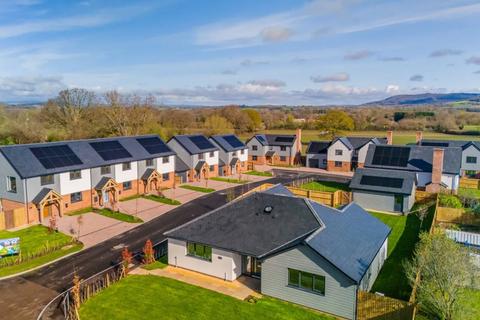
(340, 291)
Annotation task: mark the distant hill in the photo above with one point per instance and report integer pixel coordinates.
(428, 98)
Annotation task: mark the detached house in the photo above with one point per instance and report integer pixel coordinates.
(198, 154)
(45, 179)
(233, 154)
(301, 251)
(348, 153)
(275, 149)
(470, 165)
(435, 168)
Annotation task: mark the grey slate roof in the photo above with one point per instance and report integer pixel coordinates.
(180, 166)
(451, 143)
(234, 161)
(318, 147)
(420, 159)
(408, 177)
(39, 197)
(27, 165)
(220, 140)
(242, 226)
(270, 139)
(103, 181)
(200, 165)
(189, 146)
(270, 153)
(148, 172)
(355, 143)
(350, 240)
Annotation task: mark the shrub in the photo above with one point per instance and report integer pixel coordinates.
(450, 201)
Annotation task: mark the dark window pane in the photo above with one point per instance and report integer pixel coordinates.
(191, 248)
(319, 284)
(293, 277)
(208, 253)
(306, 281)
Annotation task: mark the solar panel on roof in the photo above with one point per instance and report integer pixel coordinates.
(233, 141)
(391, 156)
(381, 181)
(260, 138)
(110, 150)
(56, 156)
(284, 139)
(153, 145)
(434, 144)
(201, 142)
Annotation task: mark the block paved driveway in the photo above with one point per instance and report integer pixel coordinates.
(24, 296)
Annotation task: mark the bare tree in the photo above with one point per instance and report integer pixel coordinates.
(445, 269)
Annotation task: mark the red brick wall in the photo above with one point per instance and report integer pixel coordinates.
(260, 160)
(85, 203)
(344, 168)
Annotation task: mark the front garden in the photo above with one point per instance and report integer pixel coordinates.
(229, 180)
(259, 173)
(196, 188)
(38, 245)
(118, 215)
(153, 297)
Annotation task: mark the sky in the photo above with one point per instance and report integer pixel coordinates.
(216, 52)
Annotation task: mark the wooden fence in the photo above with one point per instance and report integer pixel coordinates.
(332, 199)
(469, 183)
(457, 216)
(371, 306)
(10, 219)
(422, 196)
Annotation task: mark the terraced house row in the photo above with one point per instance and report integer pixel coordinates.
(45, 179)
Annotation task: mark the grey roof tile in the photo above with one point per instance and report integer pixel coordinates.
(186, 142)
(225, 145)
(408, 180)
(318, 147)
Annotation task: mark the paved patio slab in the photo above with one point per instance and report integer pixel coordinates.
(240, 288)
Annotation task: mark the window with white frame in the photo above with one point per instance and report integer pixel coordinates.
(12, 184)
(75, 174)
(46, 180)
(126, 166)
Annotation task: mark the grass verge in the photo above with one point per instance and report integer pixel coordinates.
(199, 189)
(152, 297)
(80, 211)
(325, 186)
(135, 196)
(159, 264)
(229, 180)
(259, 173)
(392, 280)
(161, 199)
(118, 215)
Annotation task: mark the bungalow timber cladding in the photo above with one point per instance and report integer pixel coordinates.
(44, 179)
(302, 251)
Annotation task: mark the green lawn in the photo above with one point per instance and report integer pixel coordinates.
(405, 230)
(467, 192)
(199, 189)
(39, 241)
(470, 302)
(152, 297)
(229, 180)
(118, 215)
(80, 211)
(159, 264)
(161, 199)
(325, 186)
(259, 173)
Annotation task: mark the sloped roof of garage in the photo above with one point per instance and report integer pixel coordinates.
(317, 147)
(384, 181)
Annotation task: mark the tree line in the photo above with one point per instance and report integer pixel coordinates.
(79, 113)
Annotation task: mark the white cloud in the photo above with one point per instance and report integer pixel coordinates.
(445, 52)
(416, 77)
(392, 89)
(99, 18)
(337, 77)
(276, 34)
(21, 88)
(358, 55)
(473, 60)
(250, 63)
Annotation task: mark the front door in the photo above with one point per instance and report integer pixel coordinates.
(398, 206)
(47, 211)
(106, 197)
(252, 267)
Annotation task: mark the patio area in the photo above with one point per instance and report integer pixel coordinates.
(240, 288)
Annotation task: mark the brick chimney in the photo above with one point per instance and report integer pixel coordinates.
(418, 137)
(298, 133)
(437, 169)
(389, 137)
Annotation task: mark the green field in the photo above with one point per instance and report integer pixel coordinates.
(152, 297)
(325, 186)
(36, 240)
(405, 233)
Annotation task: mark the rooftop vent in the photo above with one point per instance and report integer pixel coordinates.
(268, 209)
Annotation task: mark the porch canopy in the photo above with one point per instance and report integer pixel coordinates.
(47, 197)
